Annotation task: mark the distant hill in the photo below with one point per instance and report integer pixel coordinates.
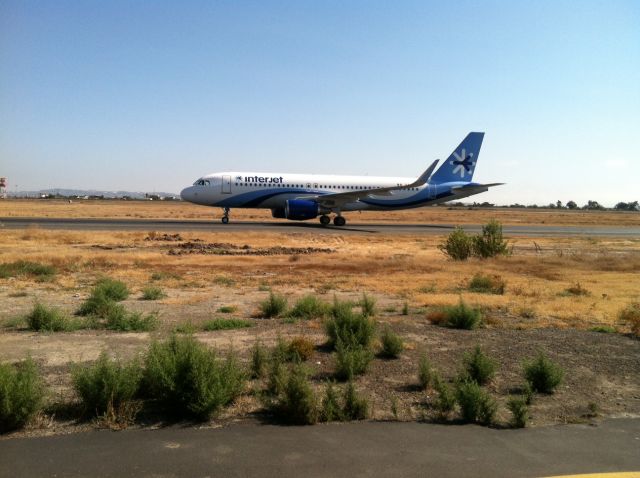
(90, 192)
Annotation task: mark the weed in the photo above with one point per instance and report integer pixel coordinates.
(478, 367)
(309, 307)
(490, 243)
(227, 309)
(21, 394)
(41, 272)
(425, 372)
(187, 378)
(20, 293)
(14, 322)
(330, 411)
(119, 319)
(226, 324)
(390, 309)
(576, 290)
(351, 329)
(476, 405)
(543, 375)
(392, 344)
(152, 293)
(224, 281)
(107, 385)
(43, 318)
(427, 289)
(437, 317)
(603, 329)
(259, 360)
(300, 349)
(297, 403)
(519, 411)
(462, 316)
(351, 360)
(274, 306)
(394, 407)
(446, 401)
(631, 315)
(458, 245)
(111, 289)
(368, 305)
(485, 284)
(355, 407)
(185, 328)
(156, 276)
(405, 309)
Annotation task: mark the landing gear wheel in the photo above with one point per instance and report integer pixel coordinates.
(339, 221)
(225, 220)
(325, 220)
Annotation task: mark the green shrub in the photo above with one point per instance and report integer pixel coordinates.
(603, 329)
(458, 245)
(405, 309)
(277, 377)
(485, 284)
(355, 407)
(351, 360)
(226, 324)
(476, 405)
(107, 384)
(543, 375)
(351, 329)
(331, 410)
(259, 360)
(576, 290)
(631, 315)
(227, 309)
(519, 411)
(462, 316)
(97, 304)
(297, 404)
(425, 372)
(43, 318)
(112, 289)
(274, 306)
(118, 318)
(21, 394)
(478, 367)
(152, 293)
(309, 307)
(185, 328)
(490, 243)
(446, 401)
(300, 349)
(187, 378)
(392, 344)
(367, 305)
(41, 272)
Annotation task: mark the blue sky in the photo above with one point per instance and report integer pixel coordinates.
(150, 95)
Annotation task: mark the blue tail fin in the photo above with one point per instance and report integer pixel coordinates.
(462, 162)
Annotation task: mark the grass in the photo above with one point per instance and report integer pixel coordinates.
(367, 305)
(185, 328)
(274, 306)
(227, 309)
(226, 324)
(49, 319)
(542, 374)
(462, 316)
(21, 268)
(425, 372)
(309, 307)
(224, 281)
(575, 290)
(603, 329)
(108, 386)
(485, 284)
(21, 394)
(392, 344)
(631, 315)
(478, 367)
(118, 318)
(259, 360)
(189, 380)
(153, 293)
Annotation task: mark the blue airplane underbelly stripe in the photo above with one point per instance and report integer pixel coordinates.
(254, 198)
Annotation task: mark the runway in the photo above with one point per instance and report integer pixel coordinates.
(310, 227)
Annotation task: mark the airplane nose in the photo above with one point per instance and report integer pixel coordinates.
(187, 194)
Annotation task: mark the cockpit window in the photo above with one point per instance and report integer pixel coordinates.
(202, 182)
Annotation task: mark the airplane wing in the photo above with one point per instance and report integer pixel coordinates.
(336, 200)
(473, 189)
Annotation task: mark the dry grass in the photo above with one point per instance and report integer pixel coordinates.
(187, 211)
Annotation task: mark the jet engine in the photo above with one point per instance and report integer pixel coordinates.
(300, 209)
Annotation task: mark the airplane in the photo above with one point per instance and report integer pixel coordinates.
(300, 197)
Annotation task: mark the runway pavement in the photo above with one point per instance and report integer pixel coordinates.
(331, 450)
(314, 227)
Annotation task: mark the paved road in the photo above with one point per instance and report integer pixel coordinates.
(353, 450)
(287, 226)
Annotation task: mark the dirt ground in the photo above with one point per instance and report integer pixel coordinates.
(201, 272)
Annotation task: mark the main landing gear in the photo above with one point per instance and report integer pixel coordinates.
(225, 218)
(337, 221)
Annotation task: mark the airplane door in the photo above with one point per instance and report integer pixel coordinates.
(226, 184)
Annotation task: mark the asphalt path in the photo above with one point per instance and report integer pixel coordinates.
(333, 450)
(316, 228)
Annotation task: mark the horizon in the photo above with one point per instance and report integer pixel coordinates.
(149, 97)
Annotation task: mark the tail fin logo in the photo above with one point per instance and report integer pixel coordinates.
(462, 162)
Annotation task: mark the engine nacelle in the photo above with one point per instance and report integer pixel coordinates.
(278, 213)
(300, 209)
